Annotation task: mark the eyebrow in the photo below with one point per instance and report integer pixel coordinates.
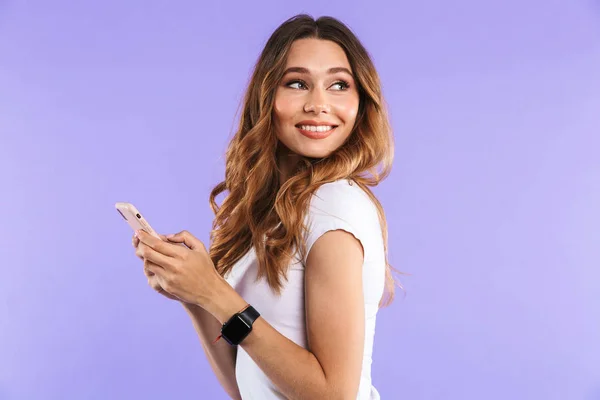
(303, 70)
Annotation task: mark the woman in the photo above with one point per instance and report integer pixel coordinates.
(297, 265)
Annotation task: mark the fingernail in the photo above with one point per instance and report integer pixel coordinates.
(172, 235)
(138, 233)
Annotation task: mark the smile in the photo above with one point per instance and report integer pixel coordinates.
(314, 132)
(314, 128)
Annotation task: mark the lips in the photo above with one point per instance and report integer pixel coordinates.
(315, 134)
(318, 125)
(314, 123)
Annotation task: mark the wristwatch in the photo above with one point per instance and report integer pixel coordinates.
(239, 326)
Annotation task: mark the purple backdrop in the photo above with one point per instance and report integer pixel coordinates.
(493, 203)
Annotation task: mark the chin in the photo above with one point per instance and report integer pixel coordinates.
(315, 153)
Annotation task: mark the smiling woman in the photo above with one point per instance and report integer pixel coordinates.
(297, 265)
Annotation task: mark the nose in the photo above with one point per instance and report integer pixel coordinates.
(317, 102)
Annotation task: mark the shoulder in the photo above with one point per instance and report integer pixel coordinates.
(342, 198)
(343, 205)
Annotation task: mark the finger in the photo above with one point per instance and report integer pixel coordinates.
(159, 280)
(152, 268)
(164, 248)
(135, 240)
(156, 286)
(141, 250)
(148, 266)
(149, 254)
(186, 238)
(153, 282)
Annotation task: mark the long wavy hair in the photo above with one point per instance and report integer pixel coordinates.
(259, 212)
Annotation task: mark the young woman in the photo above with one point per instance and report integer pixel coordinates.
(297, 266)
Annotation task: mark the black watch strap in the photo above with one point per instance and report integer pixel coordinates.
(249, 315)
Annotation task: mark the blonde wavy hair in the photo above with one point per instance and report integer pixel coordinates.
(259, 212)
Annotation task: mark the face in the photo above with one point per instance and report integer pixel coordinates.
(316, 102)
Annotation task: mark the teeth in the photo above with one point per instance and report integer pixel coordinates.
(312, 128)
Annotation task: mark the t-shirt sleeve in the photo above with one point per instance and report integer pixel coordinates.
(340, 205)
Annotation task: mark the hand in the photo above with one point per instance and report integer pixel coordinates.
(186, 272)
(152, 279)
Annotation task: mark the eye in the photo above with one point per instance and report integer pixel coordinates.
(343, 85)
(300, 84)
(294, 82)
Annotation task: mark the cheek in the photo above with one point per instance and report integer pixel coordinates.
(284, 108)
(348, 109)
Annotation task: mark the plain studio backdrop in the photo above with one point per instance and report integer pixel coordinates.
(493, 203)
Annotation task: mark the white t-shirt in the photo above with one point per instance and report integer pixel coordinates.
(337, 205)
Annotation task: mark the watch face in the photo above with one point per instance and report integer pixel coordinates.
(235, 330)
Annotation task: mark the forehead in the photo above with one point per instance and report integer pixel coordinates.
(317, 55)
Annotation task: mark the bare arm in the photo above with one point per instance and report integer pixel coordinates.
(220, 355)
(331, 368)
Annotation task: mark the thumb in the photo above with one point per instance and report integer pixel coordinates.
(186, 238)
